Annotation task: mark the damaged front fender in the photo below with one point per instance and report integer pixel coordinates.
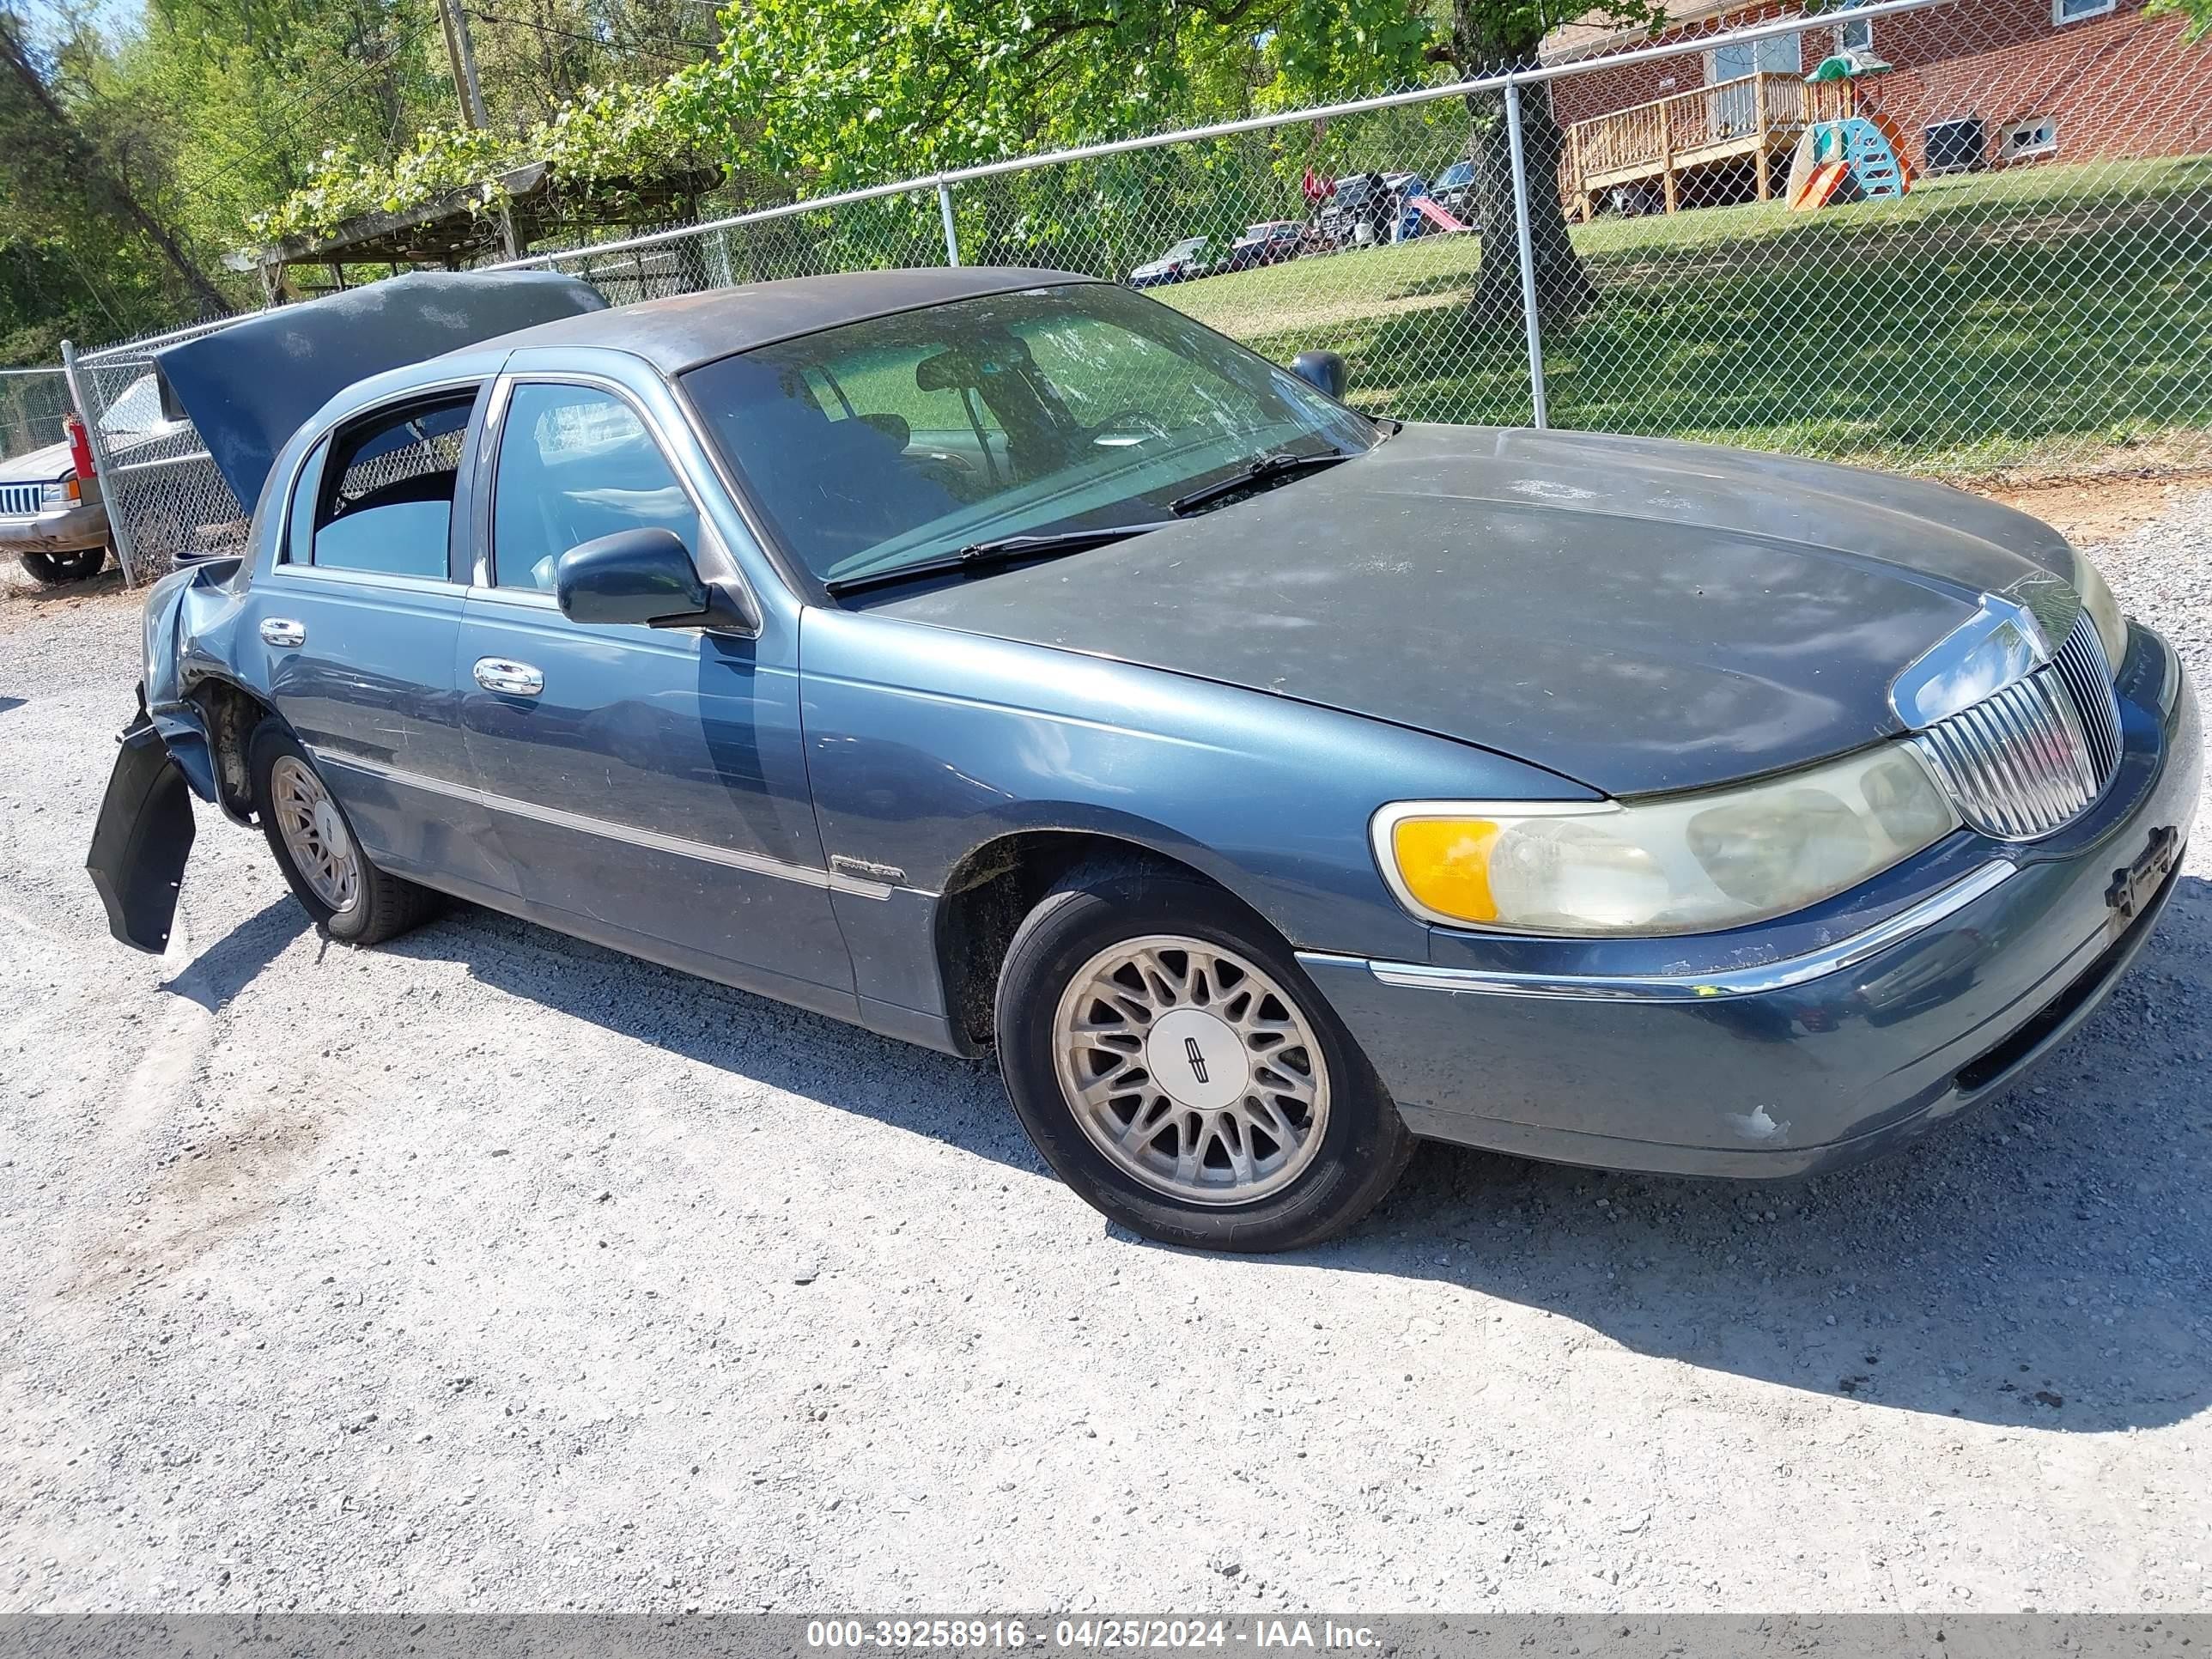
(142, 839)
(145, 833)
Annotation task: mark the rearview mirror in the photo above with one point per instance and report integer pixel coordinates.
(646, 578)
(1322, 370)
(971, 364)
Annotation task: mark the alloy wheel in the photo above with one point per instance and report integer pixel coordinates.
(314, 834)
(1192, 1069)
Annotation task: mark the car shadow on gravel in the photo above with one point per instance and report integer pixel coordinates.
(958, 1102)
(222, 969)
(2043, 1261)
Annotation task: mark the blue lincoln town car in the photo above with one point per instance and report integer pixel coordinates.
(1002, 661)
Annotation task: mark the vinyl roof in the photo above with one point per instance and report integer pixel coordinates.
(684, 331)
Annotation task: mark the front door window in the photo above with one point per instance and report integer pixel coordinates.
(575, 462)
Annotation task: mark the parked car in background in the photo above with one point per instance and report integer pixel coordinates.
(1359, 214)
(1268, 243)
(1186, 262)
(988, 658)
(1455, 191)
(52, 517)
(1372, 208)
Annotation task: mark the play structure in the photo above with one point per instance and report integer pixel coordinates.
(1436, 213)
(1860, 158)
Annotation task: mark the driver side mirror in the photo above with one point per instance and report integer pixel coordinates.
(646, 577)
(1322, 370)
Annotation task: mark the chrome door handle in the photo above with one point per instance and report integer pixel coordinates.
(515, 679)
(275, 630)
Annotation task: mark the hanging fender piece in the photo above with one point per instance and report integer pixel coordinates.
(142, 838)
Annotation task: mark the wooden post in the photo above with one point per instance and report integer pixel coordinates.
(1582, 190)
(1667, 152)
(1760, 164)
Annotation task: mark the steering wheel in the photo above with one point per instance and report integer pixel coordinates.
(1128, 420)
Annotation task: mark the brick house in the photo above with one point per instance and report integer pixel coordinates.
(1977, 83)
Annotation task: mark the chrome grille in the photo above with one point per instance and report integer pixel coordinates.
(20, 501)
(2030, 758)
(2081, 663)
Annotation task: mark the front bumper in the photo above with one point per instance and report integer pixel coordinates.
(1816, 1059)
(66, 530)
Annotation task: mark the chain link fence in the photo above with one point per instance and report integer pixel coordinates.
(166, 501)
(1959, 237)
(32, 403)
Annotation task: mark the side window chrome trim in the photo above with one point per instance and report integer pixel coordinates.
(523, 599)
(495, 430)
(341, 573)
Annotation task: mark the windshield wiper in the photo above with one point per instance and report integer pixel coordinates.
(992, 555)
(1266, 467)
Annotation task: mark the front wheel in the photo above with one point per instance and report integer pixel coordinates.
(54, 570)
(350, 898)
(1176, 1067)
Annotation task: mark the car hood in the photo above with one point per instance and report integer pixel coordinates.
(38, 465)
(1635, 614)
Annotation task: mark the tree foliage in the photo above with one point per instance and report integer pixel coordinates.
(2198, 12)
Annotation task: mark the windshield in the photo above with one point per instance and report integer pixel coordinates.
(139, 409)
(905, 438)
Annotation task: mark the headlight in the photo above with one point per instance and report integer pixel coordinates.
(2104, 610)
(1687, 864)
(67, 493)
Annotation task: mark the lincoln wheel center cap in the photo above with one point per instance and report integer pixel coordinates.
(1197, 1059)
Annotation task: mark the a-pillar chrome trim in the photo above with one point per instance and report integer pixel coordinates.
(1691, 986)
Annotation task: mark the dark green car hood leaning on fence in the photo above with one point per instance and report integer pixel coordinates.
(1636, 615)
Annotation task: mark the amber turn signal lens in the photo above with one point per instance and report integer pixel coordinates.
(1445, 865)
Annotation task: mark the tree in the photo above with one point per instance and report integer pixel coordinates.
(1488, 38)
(851, 92)
(57, 173)
(2198, 12)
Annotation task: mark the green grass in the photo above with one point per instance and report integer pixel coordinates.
(2053, 320)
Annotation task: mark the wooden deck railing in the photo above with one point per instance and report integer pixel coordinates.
(1753, 114)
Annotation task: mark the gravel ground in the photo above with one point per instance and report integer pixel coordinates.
(490, 1270)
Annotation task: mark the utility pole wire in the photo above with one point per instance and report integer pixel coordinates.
(483, 17)
(195, 184)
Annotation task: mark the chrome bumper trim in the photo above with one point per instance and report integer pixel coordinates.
(1692, 987)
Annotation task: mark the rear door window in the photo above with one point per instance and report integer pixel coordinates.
(384, 504)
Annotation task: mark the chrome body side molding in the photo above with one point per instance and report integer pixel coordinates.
(733, 858)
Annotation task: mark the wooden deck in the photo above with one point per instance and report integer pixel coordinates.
(1756, 116)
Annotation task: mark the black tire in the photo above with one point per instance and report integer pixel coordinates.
(1364, 1143)
(54, 569)
(385, 905)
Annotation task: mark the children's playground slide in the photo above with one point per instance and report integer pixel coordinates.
(1860, 159)
(1437, 215)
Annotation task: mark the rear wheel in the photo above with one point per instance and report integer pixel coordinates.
(349, 897)
(1175, 1066)
(52, 569)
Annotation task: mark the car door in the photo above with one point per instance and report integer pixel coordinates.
(649, 784)
(359, 617)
